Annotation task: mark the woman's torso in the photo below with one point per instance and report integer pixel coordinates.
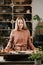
(20, 40)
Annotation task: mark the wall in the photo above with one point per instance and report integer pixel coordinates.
(37, 8)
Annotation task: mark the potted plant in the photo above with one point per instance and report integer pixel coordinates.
(37, 20)
(38, 56)
(38, 34)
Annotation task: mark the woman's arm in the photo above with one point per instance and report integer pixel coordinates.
(10, 41)
(30, 43)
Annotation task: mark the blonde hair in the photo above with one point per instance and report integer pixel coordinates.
(24, 23)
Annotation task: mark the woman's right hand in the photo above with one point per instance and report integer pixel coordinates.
(6, 50)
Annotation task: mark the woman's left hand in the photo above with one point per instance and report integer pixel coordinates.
(36, 50)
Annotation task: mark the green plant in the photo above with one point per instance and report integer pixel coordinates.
(40, 47)
(36, 17)
(37, 56)
(38, 30)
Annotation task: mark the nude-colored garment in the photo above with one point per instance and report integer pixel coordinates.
(20, 40)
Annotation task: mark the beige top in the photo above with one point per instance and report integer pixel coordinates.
(20, 40)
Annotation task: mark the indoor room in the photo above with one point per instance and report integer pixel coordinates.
(21, 32)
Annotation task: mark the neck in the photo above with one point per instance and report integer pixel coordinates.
(20, 29)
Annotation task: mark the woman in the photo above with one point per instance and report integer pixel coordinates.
(20, 37)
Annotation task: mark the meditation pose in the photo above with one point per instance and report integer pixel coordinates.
(20, 39)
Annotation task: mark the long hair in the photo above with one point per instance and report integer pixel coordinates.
(24, 23)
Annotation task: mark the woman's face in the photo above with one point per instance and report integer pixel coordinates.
(20, 24)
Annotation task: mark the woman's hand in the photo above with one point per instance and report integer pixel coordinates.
(36, 50)
(6, 50)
